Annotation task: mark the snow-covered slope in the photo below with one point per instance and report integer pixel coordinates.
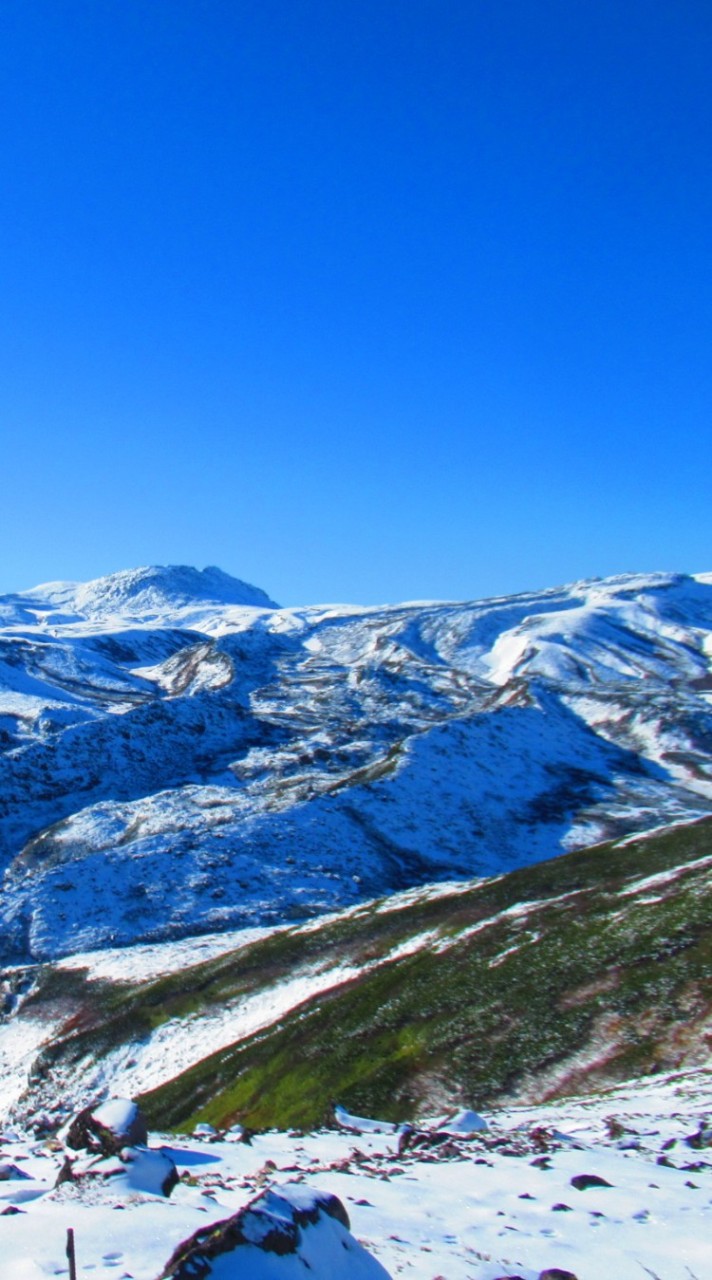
(616, 1185)
(180, 755)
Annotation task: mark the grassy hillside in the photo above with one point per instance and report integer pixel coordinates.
(585, 970)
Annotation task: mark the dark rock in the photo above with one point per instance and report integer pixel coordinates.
(561, 1208)
(66, 1173)
(541, 1138)
(10, 1172)
(11, 1209)
(582, 1181)
(702, 1138)
(555, 1273)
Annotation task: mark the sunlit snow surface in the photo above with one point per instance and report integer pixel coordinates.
(482, 1213)
(181, 756)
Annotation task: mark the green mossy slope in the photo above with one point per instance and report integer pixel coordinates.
(565, 958)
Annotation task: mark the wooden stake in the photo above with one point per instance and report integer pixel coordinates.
(71, 1255)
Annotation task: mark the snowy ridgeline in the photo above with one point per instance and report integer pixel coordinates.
(179, 755)
(616, 1185)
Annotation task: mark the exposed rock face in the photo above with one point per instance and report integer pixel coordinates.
(292, 1223)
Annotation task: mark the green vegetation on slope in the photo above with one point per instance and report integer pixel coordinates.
(518, 975)
(511, 1000)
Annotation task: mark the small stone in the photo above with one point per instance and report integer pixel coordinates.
(561, 1208)
(10, 1172)
(582, 1182)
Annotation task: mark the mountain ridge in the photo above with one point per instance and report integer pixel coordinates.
(216, 765)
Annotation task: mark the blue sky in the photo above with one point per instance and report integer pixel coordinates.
(361, 301)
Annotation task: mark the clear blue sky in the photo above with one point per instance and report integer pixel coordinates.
(365, 300)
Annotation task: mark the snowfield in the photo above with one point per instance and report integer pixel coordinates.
(476, 1206)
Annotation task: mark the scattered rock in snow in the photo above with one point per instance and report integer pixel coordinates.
(582, 1181)
(207, 1132)
(464, 1122)
(702, 1138)
(555, 1273)
(8, 1172)
(362, 1124)
(286, 1221)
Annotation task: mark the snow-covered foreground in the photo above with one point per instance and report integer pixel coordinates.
(499, 1203)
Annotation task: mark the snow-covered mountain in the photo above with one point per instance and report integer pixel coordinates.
(181, 755)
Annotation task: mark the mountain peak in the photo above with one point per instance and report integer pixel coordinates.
(151, 589)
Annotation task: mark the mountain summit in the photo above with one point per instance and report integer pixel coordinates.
(150, 591)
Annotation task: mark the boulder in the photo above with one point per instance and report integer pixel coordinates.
(286, 1225)
(107, 1128)
(133, 1169)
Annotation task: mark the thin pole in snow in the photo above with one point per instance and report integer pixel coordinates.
(71, 1255)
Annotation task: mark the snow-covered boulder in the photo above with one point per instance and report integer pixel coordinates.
(107, 1128)
(207, 1132)
(134, 1169)
(464, 1122)
(285, 1232)
(362, 1124)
